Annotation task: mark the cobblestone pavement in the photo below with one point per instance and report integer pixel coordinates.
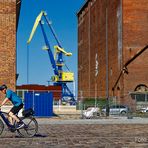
(81, 136)
(110, 120)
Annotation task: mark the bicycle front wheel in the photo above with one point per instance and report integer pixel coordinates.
(30, 128)
(1, 126)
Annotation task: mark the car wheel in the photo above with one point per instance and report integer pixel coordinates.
(146, 111)
(123, 112)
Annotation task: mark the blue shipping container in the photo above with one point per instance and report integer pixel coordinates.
(41, 102)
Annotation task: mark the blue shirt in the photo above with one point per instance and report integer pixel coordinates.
(12, 96)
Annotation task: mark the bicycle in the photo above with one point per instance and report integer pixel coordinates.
(30, 128)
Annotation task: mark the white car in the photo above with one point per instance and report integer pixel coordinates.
(117, 109)
(89, 113)
(144, 110)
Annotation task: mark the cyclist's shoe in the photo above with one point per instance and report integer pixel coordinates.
(12, 129)
(20, 125)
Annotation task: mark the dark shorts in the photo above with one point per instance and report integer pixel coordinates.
(16, 109)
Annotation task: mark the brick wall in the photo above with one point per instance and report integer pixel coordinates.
(83, 53)
(114, 42)
(135, 37)
(91, 47)
(94, 41)
(122, 28)
(8, 42)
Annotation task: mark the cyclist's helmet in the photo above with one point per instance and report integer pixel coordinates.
(3, 87)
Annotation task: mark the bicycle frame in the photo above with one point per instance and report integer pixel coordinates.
(28, 121)
(6, 120)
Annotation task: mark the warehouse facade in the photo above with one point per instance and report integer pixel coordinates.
(9, 13)
(110, 32)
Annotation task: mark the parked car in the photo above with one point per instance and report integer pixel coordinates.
(117, 109)
(144, 110)
(89, 113)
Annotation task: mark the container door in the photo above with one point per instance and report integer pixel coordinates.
(43, 104)
(40, 102)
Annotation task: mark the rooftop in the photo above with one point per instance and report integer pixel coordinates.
(83, 6)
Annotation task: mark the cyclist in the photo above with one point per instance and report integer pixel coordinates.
(16, 101)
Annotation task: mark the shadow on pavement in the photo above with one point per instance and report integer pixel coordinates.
(36, 136)
(40, 135)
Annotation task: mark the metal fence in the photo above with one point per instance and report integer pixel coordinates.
(136, 103)
(130, 105)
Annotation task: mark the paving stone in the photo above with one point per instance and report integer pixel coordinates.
(81, 136)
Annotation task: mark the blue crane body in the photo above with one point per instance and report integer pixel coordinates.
(60, 77)
(53, 63)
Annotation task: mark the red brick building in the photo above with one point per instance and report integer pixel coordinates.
(8, 24)
(110, 32)
(56, 90)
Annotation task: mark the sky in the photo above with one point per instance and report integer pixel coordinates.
(62, 14)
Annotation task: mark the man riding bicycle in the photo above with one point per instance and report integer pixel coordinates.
(17, 105)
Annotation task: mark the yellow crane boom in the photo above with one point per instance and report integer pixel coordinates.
(38, 19)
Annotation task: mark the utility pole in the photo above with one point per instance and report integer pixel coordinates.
(107, 83)
(27, 64)
(81, 103)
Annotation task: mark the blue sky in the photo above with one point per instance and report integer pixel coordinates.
(62, 13)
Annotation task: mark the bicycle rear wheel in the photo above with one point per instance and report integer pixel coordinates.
(30, 128)
(1, 126)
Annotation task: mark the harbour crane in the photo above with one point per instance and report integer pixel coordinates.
(60, 78)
